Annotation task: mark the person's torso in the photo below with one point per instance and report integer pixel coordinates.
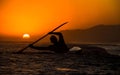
(59, 48)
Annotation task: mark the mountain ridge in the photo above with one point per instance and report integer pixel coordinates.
(96, 34)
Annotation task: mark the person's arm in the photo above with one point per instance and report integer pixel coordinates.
(61, 39)
(63, 46)
(39, 48)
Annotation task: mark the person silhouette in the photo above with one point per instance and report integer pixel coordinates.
(58, 45)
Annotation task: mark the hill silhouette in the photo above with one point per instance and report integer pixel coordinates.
(96, 34)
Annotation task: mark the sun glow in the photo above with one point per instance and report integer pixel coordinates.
(33, 16)
(26, 36)
(40, 16)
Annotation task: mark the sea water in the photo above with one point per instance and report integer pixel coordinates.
(12, 46)
(50, 64)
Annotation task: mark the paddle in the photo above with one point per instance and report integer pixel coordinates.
(20, 51)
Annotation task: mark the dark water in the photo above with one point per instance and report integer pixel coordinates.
(34, 62)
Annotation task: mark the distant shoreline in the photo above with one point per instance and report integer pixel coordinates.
(15, 41)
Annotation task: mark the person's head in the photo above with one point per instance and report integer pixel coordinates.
(53, 39)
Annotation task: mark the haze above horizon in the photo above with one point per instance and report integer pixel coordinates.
(35, 17)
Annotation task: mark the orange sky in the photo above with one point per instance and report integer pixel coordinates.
(37, 16)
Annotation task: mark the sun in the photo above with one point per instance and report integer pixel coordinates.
(26, 36)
